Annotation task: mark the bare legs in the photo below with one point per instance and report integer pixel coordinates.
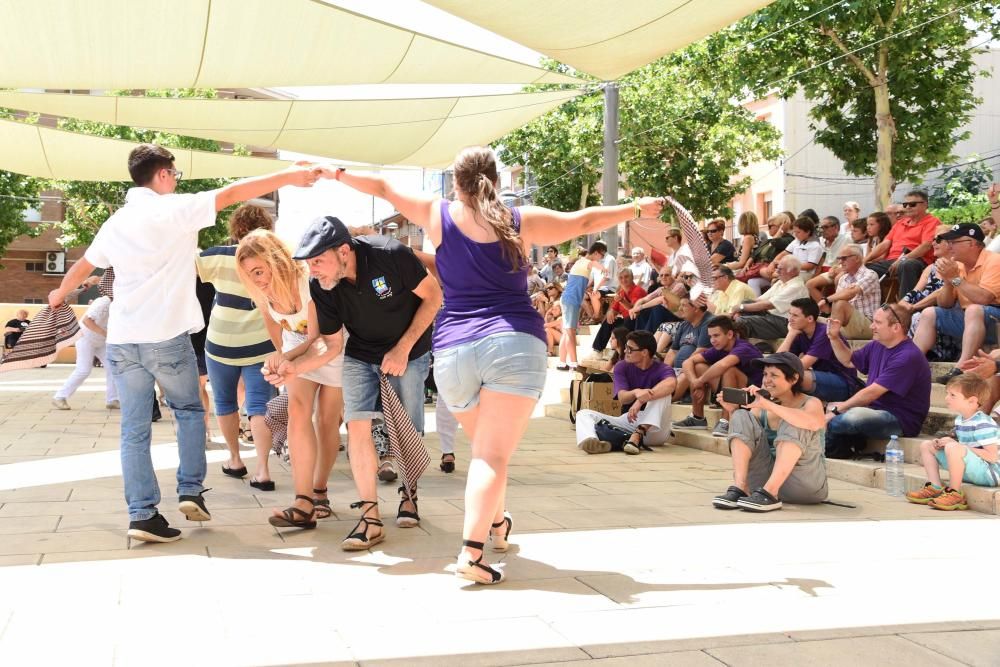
(567, 346)
(302, 444)
(330, 410)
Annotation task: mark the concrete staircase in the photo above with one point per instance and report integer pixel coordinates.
(865, 473)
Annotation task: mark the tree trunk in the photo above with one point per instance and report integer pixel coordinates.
(584, 193)
(885, 184)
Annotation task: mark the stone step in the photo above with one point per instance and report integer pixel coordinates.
(864, 473)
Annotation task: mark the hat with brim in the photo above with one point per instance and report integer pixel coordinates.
(321, 235)
(965, 230)
(781, 359)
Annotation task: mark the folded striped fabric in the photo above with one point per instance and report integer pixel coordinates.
(405, 444)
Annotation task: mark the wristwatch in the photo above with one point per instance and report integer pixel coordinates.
(956, 281)
(835, 410)
(741, 307)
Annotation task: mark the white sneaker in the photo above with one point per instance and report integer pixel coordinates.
(61, 404)
(113, 405)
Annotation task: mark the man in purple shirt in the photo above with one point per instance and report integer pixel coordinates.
(898, 394)
(646, 383)
(823, 375)
(727, 363)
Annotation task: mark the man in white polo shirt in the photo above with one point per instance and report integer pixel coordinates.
(152, 241)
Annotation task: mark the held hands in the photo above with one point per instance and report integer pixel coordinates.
(303, 173)
(394, 361)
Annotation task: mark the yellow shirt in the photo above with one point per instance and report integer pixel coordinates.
(735, 294)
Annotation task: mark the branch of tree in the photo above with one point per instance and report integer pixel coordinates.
(832, 34)
(896, 11)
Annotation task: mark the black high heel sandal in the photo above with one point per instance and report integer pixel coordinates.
(500, 543)
(474, 570)
(404, 518)
(288, 518)
(359, 540)
(323, 509)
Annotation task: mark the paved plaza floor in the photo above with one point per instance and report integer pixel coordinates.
(618, 561)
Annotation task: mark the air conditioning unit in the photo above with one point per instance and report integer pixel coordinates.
(55, 262)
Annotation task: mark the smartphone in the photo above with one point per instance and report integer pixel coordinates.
(736, 396)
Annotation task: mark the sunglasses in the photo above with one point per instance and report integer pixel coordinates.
(911, 204)
(888, 308)
(713, 231)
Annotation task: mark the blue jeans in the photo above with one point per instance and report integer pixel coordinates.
(363, 400)
(134, 367)
(650, 319)
(832, 387)
(850, 430)
(226, 378)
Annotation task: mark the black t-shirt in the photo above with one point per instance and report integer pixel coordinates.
(11, 339)
(726, 249)
(377, 309)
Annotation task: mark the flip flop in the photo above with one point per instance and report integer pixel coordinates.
(238, 473)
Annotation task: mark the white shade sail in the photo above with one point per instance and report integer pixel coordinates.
(109, 44)
(604, 39)
(423, 132)
(45, 152)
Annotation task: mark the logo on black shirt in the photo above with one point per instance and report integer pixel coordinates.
(382, 288)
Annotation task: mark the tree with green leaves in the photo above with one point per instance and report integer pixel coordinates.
(679, 134)
(17, 194)
(90, 203)
(891, 81)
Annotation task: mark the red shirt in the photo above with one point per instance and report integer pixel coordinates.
(909, 234)
(634, 295)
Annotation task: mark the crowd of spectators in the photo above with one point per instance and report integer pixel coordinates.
(835, 319)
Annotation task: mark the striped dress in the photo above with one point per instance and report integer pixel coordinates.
(236, 332)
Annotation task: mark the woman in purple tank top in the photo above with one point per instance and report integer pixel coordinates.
(489, 342)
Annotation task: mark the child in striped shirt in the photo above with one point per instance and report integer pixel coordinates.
(971, 456)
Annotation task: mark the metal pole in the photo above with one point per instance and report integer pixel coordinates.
(609, 184)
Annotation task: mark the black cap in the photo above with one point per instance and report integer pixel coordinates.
(321, 235)
(966, 230)
(783, 358)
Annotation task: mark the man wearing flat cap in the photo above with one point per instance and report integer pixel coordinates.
(378, 289)
(971, 275)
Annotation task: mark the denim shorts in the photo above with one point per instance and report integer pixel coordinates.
(362, 396)
(977, 471)
(951, 322)
(570, 315)
(224, 378)
(510, 363)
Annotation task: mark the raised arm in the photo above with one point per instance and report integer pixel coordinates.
(301, 174)
(542, 226)
(417, 207)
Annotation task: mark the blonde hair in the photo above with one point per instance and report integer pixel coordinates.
(286, 273)
(475, 175)
(971, 385)
(748, 224)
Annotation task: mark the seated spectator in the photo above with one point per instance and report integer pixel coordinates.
(720, 249)
(14, 328)
(553, 326)
(535, 282)
(991, 223)
(727, 363)
(859, 235)
(971, 456)
(680, 260)
(806, 248)
(790, 422)
(877, 226)
(659, 305)
(767, 317)
(642, 271)
(972, 276)
(779, 229)
(897, 396)
(857, 296)
(924, 295)
(832, 241)
(548, 260)
(749, 230)
(690, 336)
(559, 274)
(617, 346)
(906, 250)
(645, 383)
(852, 213)
(618, 314)
(823, 375)
(729, 293)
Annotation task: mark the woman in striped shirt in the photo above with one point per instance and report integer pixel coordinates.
(236, 346)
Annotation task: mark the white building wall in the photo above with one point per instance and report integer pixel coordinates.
(805, 157)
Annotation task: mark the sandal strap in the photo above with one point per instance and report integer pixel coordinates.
(494, 574)
(474, 545)
(500, 523)
(361, 504)
(289, 513)
(320, 490)
(363, 534)
(306, 498)
(407, 495)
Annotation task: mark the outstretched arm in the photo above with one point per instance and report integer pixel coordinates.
(542, 226)
(301, 174)
(416, 207)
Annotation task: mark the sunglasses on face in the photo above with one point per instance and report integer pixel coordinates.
(713, 231)
(911, 204)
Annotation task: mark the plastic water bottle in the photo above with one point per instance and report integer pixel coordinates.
(895, 483)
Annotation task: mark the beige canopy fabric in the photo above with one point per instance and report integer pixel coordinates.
(604, 39)
(424, 132)
(45, 152)
(109, 44)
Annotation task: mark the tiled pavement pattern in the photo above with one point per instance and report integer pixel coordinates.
(619, 561)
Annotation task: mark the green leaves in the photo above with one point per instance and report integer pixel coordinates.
(17, 194)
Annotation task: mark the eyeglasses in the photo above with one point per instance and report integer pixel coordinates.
(888, 308)
(716, 277)
(629, 348)
(911, 204)
(844, 258)
(178, 175)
